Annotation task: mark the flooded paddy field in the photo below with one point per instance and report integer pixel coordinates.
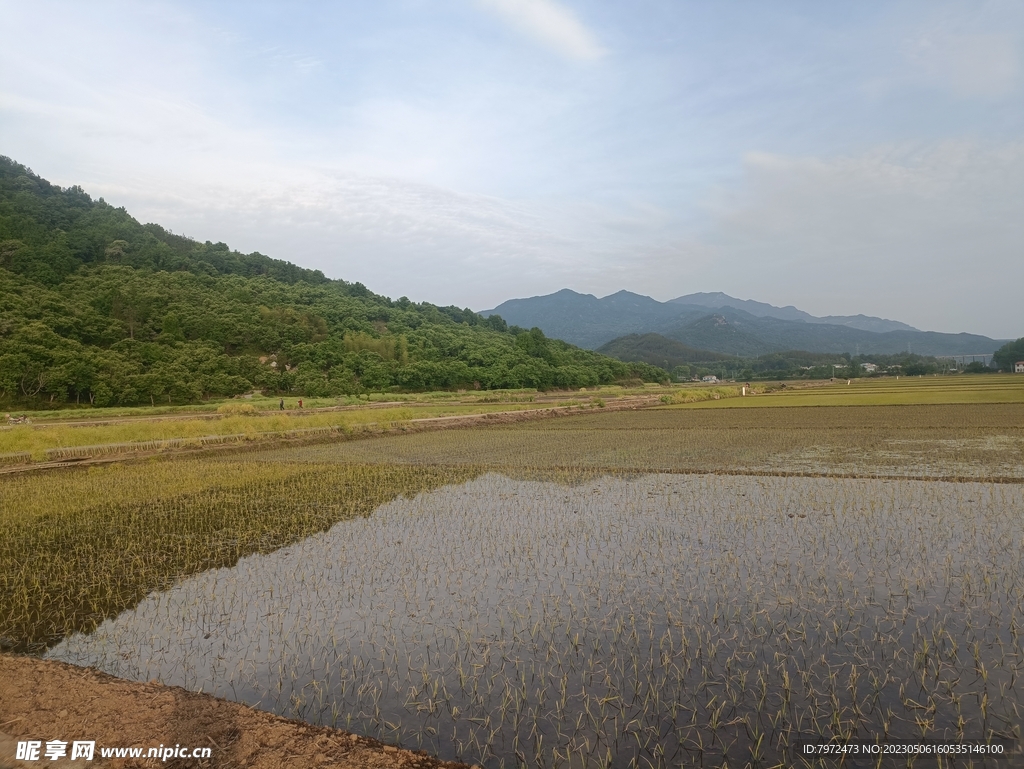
(655, 620)
(663, 587)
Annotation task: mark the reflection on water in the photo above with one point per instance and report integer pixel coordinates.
(662, 620)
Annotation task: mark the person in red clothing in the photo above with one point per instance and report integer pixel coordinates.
(300, 403)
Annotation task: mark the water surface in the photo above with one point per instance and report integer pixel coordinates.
(656, 620)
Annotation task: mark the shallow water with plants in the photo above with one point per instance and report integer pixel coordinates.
(618, 620)
(82, 546)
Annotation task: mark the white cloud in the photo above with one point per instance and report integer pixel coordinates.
(931, 234)
(969, 65)
(396, 236)
(551, 24)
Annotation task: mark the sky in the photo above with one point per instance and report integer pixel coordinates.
(841, 157)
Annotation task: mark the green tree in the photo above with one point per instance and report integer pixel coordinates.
(1007, 355)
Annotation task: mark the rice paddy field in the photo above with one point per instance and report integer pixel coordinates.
(679, 586)
(890, 391)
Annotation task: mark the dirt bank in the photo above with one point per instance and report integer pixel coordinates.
(44, 700)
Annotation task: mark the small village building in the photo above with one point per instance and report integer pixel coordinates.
(1018, 367)
(710, 379)
(870, 368)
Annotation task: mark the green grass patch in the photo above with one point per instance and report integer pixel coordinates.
(962, 389)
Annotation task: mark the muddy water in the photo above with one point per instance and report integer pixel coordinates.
(662, 620)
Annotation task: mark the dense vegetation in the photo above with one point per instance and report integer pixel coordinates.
(687, 362)
(796, 364)
(101, 309)
(658, 350)
(1008, 354)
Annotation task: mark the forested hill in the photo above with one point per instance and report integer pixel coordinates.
(98, 308)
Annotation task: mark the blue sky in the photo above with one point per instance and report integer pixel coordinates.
(844, 158)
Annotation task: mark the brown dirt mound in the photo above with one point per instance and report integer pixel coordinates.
(45, 700)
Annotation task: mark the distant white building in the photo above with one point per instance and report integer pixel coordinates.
(871, 368)
(710, 379)
(1018, 367)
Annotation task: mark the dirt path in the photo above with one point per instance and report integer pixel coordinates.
(44, 700)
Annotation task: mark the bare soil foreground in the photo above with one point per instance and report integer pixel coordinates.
(46, 700)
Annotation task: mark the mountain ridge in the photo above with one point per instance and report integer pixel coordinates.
(740, 327)
(718, 299)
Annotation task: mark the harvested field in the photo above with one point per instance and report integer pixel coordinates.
(943, 441)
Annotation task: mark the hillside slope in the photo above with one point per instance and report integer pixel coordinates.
(101, 309)
(739, 333)
(657, 350)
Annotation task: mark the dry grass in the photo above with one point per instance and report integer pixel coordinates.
(37, 439)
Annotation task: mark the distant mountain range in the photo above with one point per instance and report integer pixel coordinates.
(723, 324)
(789, 312)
